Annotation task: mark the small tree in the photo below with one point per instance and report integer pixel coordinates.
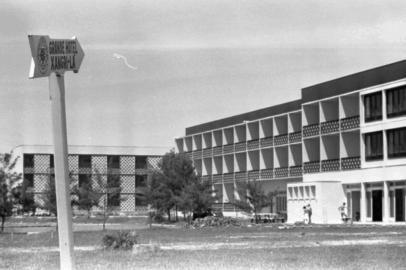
(254, 198)
(48, 197)
(8, 182)
(87, 194)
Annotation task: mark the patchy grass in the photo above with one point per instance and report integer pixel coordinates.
(262, 251)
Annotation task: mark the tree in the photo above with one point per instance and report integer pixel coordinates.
(8, 184)
(254, 198)
(87, 194)
(49, 196)
(176, 185)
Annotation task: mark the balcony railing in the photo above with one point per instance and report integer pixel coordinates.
(267, 174)
(217, 151)
(330, 126)
(311, 130)
(228, 207)
(228, 149)
(281, 172)
(253, 144)
(228, 177)
(188, 154)
(266, 142)
(197, 154)
(207, 152)
(240, 176)
(206, 178)
(311, 167)
(217, 178)
(242, 146)
(296, 170)
(350, 122)
(295, 137)
(281, 139)
(350, 163)
(253, 175)
(329, 165)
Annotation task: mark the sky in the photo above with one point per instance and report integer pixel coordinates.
(187, 62)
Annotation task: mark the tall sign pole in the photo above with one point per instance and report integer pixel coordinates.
(51, 58)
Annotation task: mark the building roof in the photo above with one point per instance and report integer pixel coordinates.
(249, 116)
(94, 150)
(356, 81)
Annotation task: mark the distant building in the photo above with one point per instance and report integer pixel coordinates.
(124, 167)
(343, 141)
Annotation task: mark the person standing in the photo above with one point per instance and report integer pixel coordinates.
(343, 212)
(305, 215)
(309, 213)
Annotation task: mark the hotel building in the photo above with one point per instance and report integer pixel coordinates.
(126, 168)
(344, 141)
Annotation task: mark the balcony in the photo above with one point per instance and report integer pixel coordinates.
(207, 152)
(28, 170)
(311, 130)
(228, 149)
(188, 154)
(296, 170)
(295, 137)
(281, 139)
(350, 122)
(266, 142)
(330, 127)
(266, 174)
(281, 172)
(206, 178)
(253, 175)
(197, 154)
(240, 176)
(329, 165)
(350, 163)
(253, 144)
(228, 177)
(217, 151)
(217, 178)
(239, 147)
(311, 167)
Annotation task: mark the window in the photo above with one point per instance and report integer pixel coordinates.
(140, 180)
(396, 142)
(141, 162)
(85, 161)
(113, 162)
(113, 186)
(28, 181)
(28, 161)
(373, 107)
(396, 102)
(373, 146)
(84, 180)
(51, 161)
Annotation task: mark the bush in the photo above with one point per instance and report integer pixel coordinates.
(120, 240)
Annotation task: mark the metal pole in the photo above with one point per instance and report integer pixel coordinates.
(57, 96)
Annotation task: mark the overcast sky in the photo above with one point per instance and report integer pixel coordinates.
(196, 61)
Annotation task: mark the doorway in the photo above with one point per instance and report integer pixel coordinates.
(377, 205)
(355, 207)
(399, 205)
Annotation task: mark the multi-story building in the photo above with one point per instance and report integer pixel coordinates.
(343, 142)
(126, 168)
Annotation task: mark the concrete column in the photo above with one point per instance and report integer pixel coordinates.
(363, 203)
(386, 203)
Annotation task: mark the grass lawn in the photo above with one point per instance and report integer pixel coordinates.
(256, 247)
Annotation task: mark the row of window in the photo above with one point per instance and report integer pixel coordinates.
(85, 161)
(396, 142)
(395, 104)
(113, 181)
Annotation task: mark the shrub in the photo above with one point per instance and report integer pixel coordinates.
(120, 240)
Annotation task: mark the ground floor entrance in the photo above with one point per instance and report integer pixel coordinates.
(377, 205)
(400, 204)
